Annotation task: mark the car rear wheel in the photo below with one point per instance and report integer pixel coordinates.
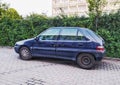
(25, 53)
(86, 61)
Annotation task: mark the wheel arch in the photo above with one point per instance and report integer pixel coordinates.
(85, 53)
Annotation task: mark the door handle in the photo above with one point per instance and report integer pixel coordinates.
(80, 44)
(53, 45)
(61, 45)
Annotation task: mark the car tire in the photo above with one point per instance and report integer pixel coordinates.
(25, 53)
(86, 61)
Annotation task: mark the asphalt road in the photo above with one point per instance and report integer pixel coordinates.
(44, 71)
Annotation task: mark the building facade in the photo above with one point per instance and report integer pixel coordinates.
(79, 7)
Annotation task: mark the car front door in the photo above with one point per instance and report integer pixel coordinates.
(46, 44)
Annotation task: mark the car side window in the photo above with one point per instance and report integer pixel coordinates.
(68, 34)
(93, 35)
(50, 34)
(80, 36)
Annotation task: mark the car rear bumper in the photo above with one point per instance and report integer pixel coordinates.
(99, 56)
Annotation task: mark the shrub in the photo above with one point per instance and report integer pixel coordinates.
(12, 30)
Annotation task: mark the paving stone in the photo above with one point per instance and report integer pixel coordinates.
(44, 71)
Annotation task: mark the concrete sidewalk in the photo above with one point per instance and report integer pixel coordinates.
(42, 71)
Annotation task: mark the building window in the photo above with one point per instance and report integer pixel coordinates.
(56, 1)
(82, 8)
(63, 1)
(73, 8)
(73, 0)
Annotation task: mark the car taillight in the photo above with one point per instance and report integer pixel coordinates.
(100, 48)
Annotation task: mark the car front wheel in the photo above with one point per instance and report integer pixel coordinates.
(86, 61)
(25, 53)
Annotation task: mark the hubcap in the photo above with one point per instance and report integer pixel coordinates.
(25, 53)
(86, 60)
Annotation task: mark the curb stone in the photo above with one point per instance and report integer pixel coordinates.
(109, 58)
(9, 47)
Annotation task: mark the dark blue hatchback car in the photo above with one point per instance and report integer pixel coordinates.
(74, 43)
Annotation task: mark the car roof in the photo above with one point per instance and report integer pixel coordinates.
(69, 27)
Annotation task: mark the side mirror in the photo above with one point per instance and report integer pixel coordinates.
(37, 38)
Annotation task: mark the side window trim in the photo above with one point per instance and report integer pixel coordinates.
(78, 34)
(58, 37)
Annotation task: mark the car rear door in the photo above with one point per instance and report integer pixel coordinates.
(67, 44)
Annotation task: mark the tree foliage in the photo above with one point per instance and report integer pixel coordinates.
(3, 8)
(95, 11)
(11, 13)
(96, 6)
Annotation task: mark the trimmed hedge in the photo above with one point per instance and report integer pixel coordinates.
(12, 30)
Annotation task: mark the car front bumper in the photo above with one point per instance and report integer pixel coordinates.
(16, 48)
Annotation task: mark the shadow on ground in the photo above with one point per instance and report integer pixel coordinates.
(103, 65)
